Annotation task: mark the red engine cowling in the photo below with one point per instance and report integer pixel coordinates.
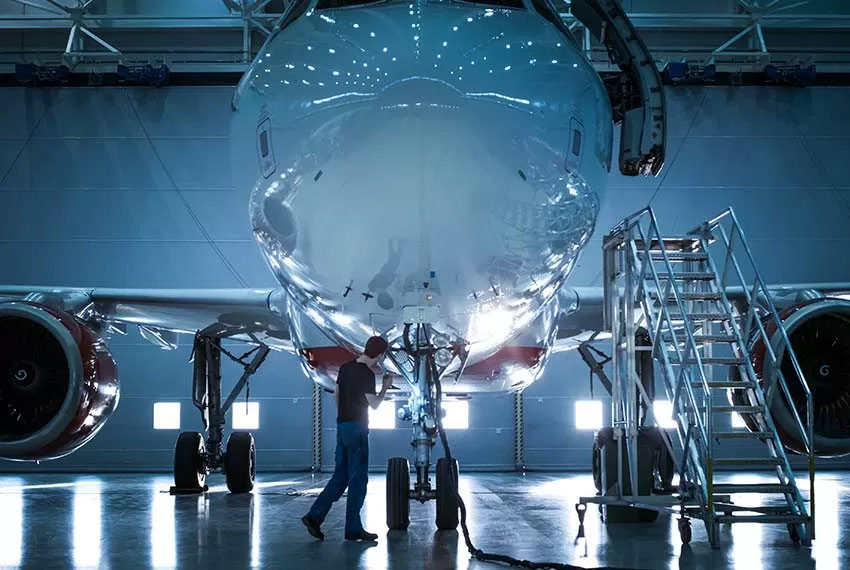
(819, 331)
(58, 382)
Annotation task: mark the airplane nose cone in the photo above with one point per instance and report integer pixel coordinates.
(425, 153)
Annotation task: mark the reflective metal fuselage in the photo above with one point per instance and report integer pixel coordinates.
(428, 154)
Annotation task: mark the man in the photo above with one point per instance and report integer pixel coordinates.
(355, 392)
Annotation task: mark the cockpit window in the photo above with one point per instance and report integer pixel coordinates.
(548, 11)
(332, 4)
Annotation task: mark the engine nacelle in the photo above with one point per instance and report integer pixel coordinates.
(819, 331)
(58, 382)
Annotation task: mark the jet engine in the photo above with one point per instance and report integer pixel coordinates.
(58, 382)
(819, 331)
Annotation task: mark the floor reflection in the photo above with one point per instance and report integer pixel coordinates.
(87, 521)
(61, 521)
(11, 522)
(163, 540)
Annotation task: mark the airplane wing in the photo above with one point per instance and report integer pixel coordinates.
(581, 307)
(160, 314)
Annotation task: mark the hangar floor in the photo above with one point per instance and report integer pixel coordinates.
(130, 521)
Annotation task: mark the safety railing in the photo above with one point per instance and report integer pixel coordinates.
(642, 228)
(766, 328)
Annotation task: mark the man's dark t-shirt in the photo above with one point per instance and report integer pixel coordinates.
(354, 381)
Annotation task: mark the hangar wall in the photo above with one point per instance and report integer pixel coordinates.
(130, 187)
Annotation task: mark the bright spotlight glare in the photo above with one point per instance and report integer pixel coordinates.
(494, 324)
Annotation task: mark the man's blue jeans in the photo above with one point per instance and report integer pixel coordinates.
(352, 463)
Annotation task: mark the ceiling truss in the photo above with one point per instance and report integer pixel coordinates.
(228, 35)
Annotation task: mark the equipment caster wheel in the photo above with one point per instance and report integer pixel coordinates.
(240, 462)
(190, 470)
(447, 505)
(685, 531)
(398, 493)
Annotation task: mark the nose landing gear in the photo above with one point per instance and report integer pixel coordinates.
(424, 409)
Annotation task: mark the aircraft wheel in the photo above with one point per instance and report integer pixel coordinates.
(240, 462)
(398, 493)
(447, 505)
(190, 472)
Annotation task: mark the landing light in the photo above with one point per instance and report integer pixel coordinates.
(443, 357)
(442, 340)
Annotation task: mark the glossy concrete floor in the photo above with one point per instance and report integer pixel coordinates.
(130, 521)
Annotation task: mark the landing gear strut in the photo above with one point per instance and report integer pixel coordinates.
(423, 410)
(195, 457)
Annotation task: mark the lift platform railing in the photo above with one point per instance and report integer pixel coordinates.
(761, 323)
(623, 257)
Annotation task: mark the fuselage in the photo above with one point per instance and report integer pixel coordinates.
(446, 156)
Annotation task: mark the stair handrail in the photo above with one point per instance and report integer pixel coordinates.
(798, 505)
(761, 291)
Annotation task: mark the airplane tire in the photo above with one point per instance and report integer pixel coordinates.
(398, 493)
(240, 462)
(447, 505)
(190, 473)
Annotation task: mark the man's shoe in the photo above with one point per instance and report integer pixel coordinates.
(312, 527)
(362, 535)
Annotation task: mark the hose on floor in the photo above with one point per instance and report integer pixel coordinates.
(477, 553)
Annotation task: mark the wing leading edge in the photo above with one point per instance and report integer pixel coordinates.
(241, 314)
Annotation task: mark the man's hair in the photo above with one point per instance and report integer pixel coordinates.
(375, 347)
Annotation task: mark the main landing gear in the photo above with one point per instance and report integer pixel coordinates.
(423, 410)
(196, 457)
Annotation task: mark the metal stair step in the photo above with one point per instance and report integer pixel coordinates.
(714, 338)
(656, 255)
(701, 316)
(732, 488)
(678, 242)
(743, 434)
(687, 276)
(747, 461)
(729, 360)
(691, 296)
(702, 337)
(725, 384)
(776, 519)
(738, 409)
(727, 508)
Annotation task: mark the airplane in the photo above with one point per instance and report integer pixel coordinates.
(429, 171)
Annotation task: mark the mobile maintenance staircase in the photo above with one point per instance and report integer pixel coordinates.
(678, 289)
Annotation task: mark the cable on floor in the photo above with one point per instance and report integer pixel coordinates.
(477, 553)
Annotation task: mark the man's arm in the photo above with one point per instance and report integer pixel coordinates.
(376, 399)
